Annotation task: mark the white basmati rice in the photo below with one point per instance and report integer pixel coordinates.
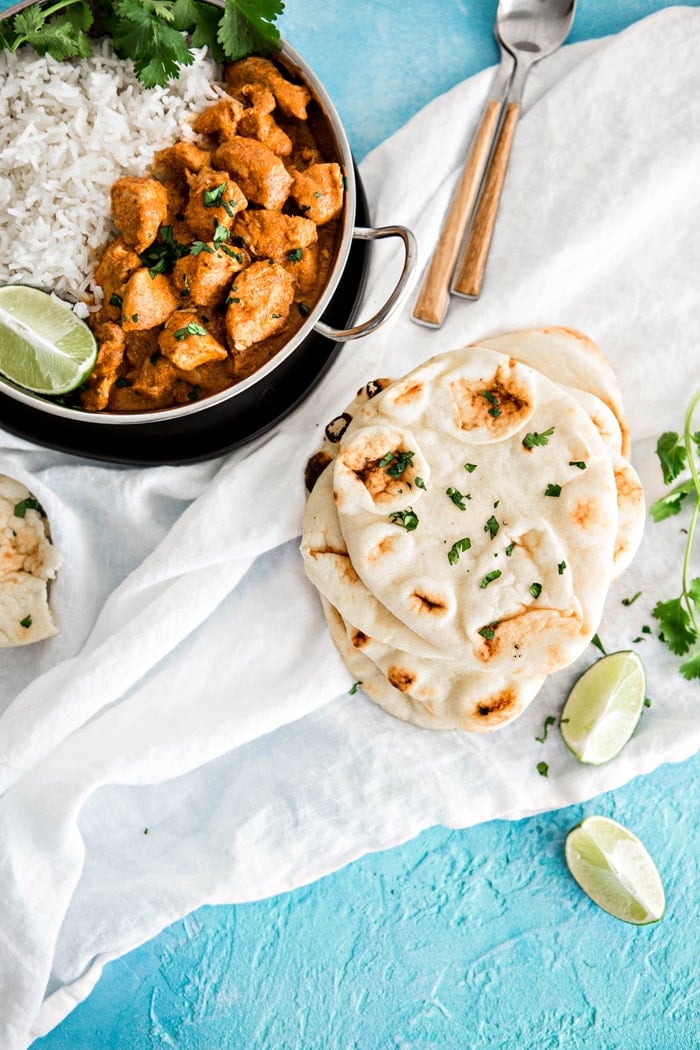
(67, 131)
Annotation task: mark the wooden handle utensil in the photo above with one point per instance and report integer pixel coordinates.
(470, 271)
(431, 304)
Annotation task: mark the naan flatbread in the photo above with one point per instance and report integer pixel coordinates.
(511, 557)
(401, 670)
(28, 561)
(478, 704)
(570, 358)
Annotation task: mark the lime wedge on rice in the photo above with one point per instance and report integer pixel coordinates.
(44, 347)
(603, 708)
(612, 866)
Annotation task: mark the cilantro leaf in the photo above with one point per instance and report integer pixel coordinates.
(157, 35)
(205, 31)
(676, 628)
(671, 502)
(533, 439)
(185, 14)
(143, 33)
(672, 455)
(58, 33)
(691, 668)
(249, 26)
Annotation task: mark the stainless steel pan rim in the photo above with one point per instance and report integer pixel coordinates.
(313, 322)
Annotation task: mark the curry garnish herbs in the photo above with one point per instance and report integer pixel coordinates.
(490, 577)
(553, 490)
(530, 440)
(408, 519)
(190, 329)
(679, 618)
(491, 526)
(549, 721)
(30, 503)
(535, 589)
(158, 35)
(493, 401)
(396, 462)
(210, 198)
(458, 548)
(457, 497)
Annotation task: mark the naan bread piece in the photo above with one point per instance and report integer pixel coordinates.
(450, 697)
(602, 417)
(328, 566)
(325, 554)
(497, 553)
(631, 513)
(28, 561)
(334, 430)
(471, 708)
(569, 357)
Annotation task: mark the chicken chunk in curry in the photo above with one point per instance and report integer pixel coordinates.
(222, 247)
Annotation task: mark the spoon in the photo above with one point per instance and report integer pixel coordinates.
(530, 30)
(431, 304)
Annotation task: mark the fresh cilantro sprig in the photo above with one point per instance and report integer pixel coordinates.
(679, 618)
(157, 35)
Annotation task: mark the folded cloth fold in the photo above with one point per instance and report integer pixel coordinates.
(193, 688)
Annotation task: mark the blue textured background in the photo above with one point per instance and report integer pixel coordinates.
(459, 939)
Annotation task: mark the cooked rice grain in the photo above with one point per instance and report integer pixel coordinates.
(67, 131)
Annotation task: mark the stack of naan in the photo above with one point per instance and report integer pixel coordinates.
(464, 524)
(28, 562)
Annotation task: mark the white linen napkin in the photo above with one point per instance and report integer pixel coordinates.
(193, 690)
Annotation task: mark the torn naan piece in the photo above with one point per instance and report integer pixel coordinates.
(28, 562)
(478, 504)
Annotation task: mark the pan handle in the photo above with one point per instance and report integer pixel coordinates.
(365, 233)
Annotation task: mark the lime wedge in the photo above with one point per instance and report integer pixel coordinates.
(44, 347)
(603, 708)
(612, 866)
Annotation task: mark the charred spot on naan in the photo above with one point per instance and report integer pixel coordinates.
(315, 467)
(401, 679)
(337, 427)
(358, 638)
(409, 393)
(344, 567)
(515, 635)
(499, 404)
(428, 604)
(383, 463)
(586, 513)
(497, 707)
(628, 484)
(381, 549)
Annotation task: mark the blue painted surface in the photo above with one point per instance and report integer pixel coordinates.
(474, 938)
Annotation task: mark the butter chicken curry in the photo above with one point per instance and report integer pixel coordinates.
(223, 248)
